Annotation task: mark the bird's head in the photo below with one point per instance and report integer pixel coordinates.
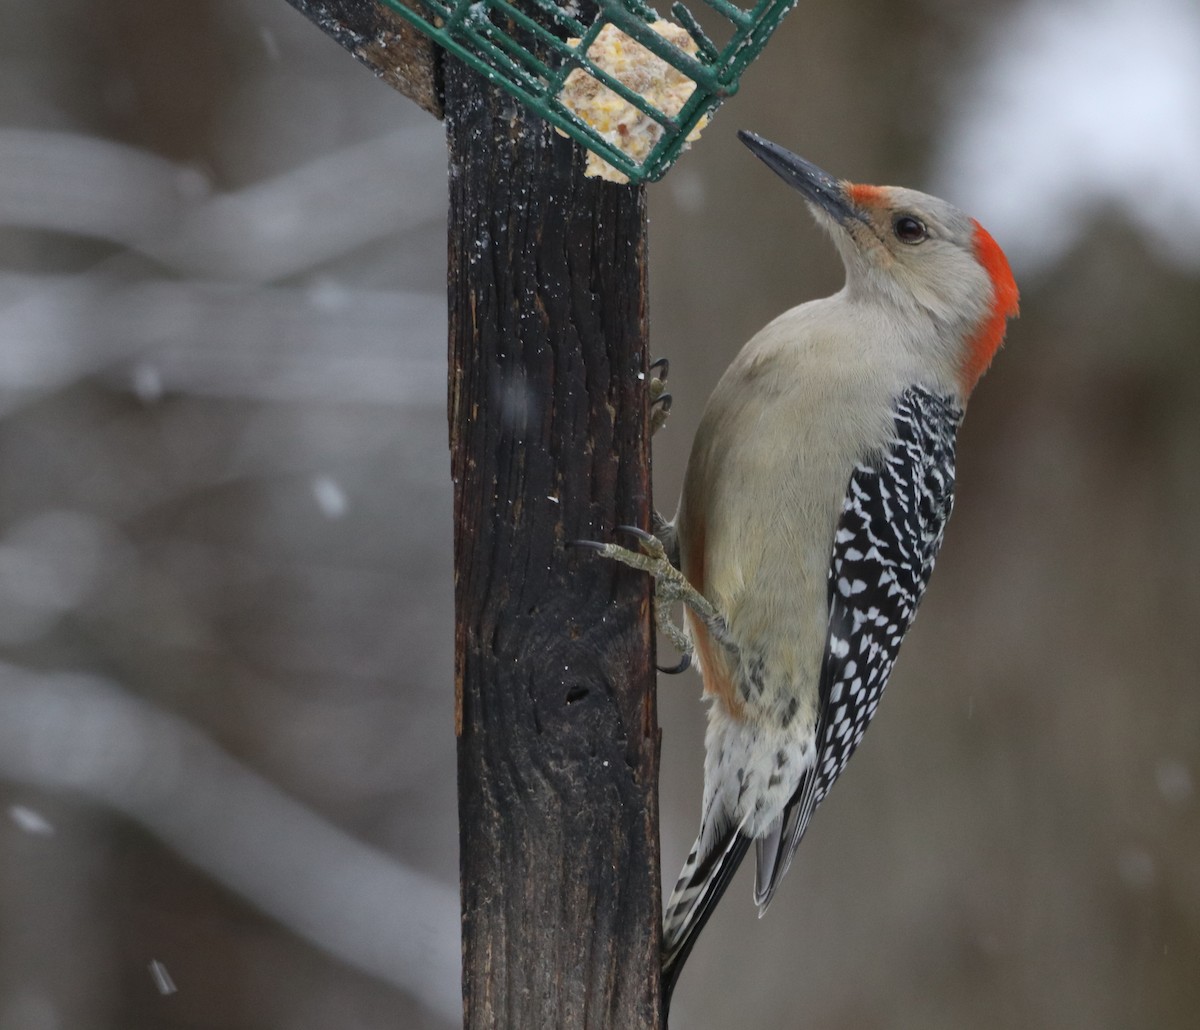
(916, 252)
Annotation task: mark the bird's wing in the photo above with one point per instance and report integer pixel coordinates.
(886, 540)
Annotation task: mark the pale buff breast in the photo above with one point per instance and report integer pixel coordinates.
(779, 439)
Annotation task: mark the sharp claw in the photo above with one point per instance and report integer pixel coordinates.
(591, 545)
(641, 534)
(664, 364)
(664, 402)
(685, 663)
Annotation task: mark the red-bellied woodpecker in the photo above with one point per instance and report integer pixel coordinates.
(817, 491)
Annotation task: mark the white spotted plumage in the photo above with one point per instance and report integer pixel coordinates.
(887, 539)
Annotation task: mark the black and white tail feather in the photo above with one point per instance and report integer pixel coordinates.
(703, 880)
(885, 544)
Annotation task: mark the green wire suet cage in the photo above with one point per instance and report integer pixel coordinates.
(487, 34)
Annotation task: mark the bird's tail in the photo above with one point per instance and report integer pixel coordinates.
(706, 874)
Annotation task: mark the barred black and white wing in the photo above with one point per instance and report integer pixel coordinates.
(887, 538)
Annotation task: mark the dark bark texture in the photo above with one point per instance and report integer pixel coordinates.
(381, 39)
(557, 731)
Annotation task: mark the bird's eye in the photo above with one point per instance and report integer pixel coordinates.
(909, 229)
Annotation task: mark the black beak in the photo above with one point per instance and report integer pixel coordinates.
(817, 186)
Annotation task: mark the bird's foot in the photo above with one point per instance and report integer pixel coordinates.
(670, 585)
(660, 400)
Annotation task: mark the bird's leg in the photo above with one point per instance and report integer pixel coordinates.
(660, 400)
(670, 585)
(652, 558)
(659, 554)
(665, 531)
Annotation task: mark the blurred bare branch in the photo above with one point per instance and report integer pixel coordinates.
(273, 229)
(82, 734)
(325, 342)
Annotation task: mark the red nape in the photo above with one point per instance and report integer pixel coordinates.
(1005, 299)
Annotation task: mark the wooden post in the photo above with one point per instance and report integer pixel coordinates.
(387, 44)
(557, 730)
(555, 715)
